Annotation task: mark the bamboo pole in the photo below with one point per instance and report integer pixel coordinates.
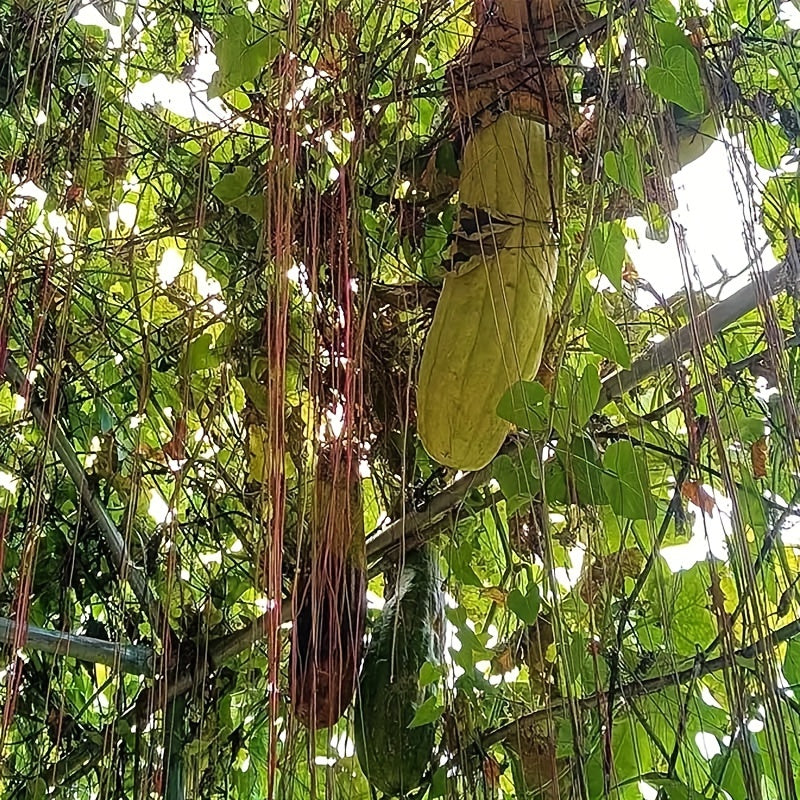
(129, 658)
(698, 667)
(705, 327)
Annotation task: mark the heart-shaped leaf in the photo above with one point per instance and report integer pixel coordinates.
(242, 52)
(525, 606)
(428, 712)
(232, 186)
(626, 482)
(607, 246)
(526, 404)
(604, 338)
(625, 168)
(677, 79)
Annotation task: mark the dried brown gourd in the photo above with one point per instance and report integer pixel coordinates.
(330, 596)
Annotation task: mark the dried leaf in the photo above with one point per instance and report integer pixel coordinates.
(758, 457)
(631, 562)
(149, 453)
(540, 765)
(503, 661)
(175, 448)
(629, 273)
(106, 462)
(495, 594)
(539, 637)
(698, 496)
(606, 575)
(343, 25)
(73, 196)
(546, 374)
(491, 773)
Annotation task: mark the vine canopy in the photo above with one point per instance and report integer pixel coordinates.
(399, 398)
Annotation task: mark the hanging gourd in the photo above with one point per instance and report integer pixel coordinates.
(490, 322)
(393, 756)
(695, 135)
(330, 595)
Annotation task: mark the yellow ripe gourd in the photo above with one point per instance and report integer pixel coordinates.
(489, 326)
(512, 171)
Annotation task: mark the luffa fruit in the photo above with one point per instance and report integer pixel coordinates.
(489, 326)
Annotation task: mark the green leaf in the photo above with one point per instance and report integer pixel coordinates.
(232, 186)
(104, 420)
(564, 400)
(460, 561)
(607, 246)
(242, 53)
(677, 79)
(633, 754)
(658, 223)
(252, 205)
(582, 464)
(555, 482)
(727, 772)
(750, 429)
(626, 482)
(36, 789)
(438, 783)
(519, 480)
(526, 404)
(604, 338)
(506, 472)
(587, 394)
(672, 788)
(429, 673)
(199, 355)
(625, 168)
(446, 161)
(767, 142)
(751, 502)
(427, 713)
(8, 133)
(781, 210)
(525, 606)
(662, 9)
(670, 35)
(472, 646)
(680, 601)
(791, 662)
(574, 399)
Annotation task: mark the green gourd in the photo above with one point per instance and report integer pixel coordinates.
(696, 133)
(393, 756)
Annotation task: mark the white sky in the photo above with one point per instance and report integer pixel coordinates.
(714, 223)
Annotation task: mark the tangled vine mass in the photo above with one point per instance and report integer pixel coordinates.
(397, 399)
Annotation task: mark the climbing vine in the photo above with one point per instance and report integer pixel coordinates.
(270, 340)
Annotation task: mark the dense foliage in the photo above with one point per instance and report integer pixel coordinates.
(620, 581)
